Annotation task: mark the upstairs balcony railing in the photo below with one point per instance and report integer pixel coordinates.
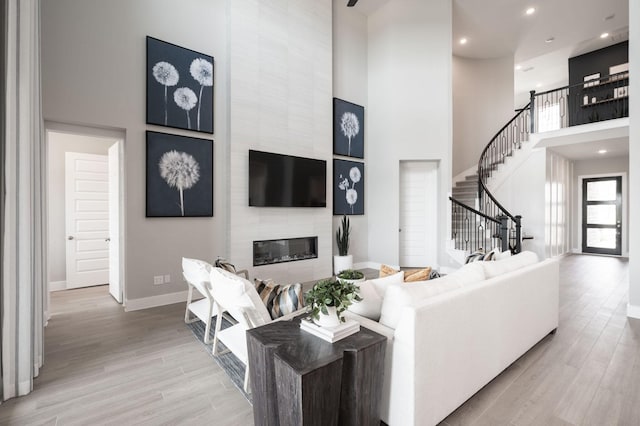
(593, 100)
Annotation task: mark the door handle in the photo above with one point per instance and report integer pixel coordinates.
(70, 237)
(107, 239)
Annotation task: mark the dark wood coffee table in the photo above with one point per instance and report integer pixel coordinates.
(299, 379)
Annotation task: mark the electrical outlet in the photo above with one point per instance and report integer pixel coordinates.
(158, 279)
(167, 279)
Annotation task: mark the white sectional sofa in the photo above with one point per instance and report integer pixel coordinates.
(449, 337)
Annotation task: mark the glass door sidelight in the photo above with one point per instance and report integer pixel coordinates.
(602, 215)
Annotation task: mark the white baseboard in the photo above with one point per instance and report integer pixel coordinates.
(364, 265)
(155, 301)
(633, 311)
(57, 285)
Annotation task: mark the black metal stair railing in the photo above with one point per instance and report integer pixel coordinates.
(598, 99)
(492, 225)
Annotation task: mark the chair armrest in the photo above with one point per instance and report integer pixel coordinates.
(243, 272)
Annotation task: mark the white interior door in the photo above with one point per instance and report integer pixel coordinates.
(418, 213)
(87, 219)
(115, 286)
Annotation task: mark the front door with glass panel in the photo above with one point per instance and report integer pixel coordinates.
(602, 215)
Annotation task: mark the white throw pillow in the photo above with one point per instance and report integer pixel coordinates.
(468, 274)
(381, 284)
(371, 302)
(409, 294)
(239, 297)
(503, 255)
(517, 261)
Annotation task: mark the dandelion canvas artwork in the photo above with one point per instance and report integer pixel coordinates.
(179, 176)
(348, 187)
(348, 129)
(179, 87)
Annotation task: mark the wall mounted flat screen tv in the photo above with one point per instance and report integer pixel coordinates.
(277, 180)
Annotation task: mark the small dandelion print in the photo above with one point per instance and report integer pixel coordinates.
(348, 193)
(186, 99)
(167, 75)
(202, 71)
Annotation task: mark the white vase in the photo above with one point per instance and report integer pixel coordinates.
(328, 320)
(340, 263)
(359, 280)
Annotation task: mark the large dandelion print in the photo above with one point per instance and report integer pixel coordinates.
(348, 193)
(179, 87)
(180, 170)
(348, 129)
(179, 175)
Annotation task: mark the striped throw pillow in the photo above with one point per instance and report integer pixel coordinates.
(279, 300)
(476, 256)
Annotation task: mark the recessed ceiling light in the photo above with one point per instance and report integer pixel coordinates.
(550, 40)
(463, 40)
(530, 11)
(602, 151)
(604, 35)
(539, 85)
(518, 67)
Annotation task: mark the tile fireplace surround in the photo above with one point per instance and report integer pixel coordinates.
(267, 252)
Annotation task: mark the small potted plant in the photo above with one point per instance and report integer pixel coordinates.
(351, 276)
(343, 260)
(328, 299)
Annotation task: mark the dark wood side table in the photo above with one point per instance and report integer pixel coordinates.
(299, 379)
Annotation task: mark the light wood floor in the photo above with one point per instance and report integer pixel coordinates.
(105, 366)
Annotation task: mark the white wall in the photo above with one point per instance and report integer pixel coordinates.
(600, 166)
(93, 62)
(409, 114)
(350, 83)
(280, 101)
(523, 193)
(634, 162)
(58, 144)
(482, 104)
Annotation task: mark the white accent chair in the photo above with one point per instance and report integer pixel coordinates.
(197, 274)
(240, 298)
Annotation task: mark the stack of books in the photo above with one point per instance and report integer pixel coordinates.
(330, 334)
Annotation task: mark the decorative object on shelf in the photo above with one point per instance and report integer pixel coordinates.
(179, 176)
(594, 100)
(348, 129)
(179, 87)
(620, 71)
(343, 260)
(621, 92)
(585, 100)
(591, 80)
(348, 191)
(351, 276)
(328, 299)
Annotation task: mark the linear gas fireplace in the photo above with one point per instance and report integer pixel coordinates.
(285, 250)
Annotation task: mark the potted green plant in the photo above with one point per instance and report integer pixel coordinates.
(351, 276)
(328, 299)
(343, 260)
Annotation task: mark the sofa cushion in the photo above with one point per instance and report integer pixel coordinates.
(371, 303)
(408, 294)
(469, 273)
(386, 270)
(279, 300)
(502, 255)
(413, 275)
(509, 264)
